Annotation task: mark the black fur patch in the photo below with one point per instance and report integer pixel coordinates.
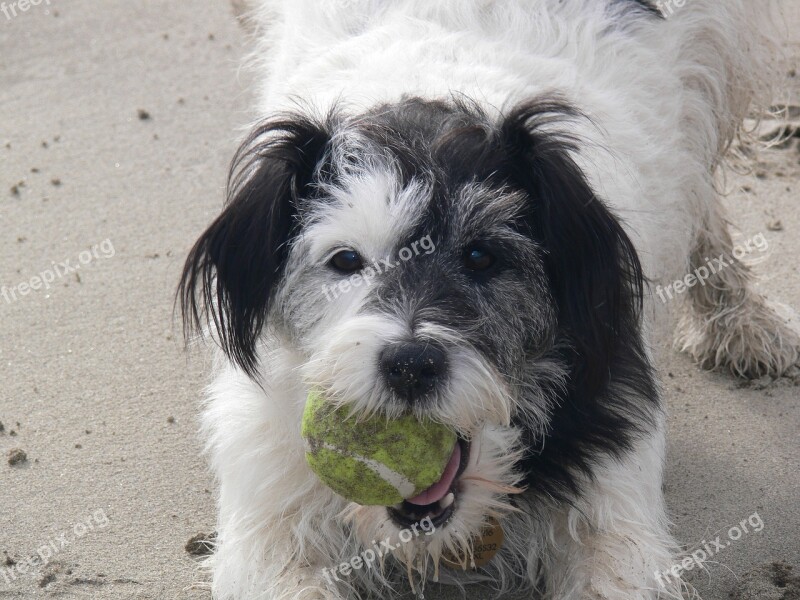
(647, 5)
(598, 282)
(232, 270)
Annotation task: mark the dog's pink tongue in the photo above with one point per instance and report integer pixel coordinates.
(440, 489)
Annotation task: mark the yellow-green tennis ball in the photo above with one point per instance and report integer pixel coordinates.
(374, 461)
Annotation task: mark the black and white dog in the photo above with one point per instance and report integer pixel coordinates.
(459, 209)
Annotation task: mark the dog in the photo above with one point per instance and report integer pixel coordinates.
(460, 210)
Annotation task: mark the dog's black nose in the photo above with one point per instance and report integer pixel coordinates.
(412, 369)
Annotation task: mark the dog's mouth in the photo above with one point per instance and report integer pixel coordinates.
(440, 501)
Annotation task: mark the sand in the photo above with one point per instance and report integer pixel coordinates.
(117, 122)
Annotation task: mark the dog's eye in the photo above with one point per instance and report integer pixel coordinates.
(478, 259)
(347, 261)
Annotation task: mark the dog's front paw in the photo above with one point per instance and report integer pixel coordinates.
(306, 584)
(312, 593)
(757, 338)
(294, 583)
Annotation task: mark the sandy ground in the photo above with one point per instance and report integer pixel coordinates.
(117, 121)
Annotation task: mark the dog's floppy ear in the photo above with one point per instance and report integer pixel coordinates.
(592, 264)
(231, 271)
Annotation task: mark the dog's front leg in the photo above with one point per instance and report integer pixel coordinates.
(614, 543)
(277, 527)
(264, 553)
(271, 549)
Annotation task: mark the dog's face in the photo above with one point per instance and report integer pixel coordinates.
(422, 258)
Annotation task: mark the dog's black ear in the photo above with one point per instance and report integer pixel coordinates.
(592, 264)
(231, 272)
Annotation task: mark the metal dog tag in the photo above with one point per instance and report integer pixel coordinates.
(483, 550)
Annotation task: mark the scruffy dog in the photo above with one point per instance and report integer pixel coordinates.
(461, 209)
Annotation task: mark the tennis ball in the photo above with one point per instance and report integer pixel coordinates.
(374, 461)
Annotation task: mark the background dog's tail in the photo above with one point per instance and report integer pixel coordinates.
(729, 56)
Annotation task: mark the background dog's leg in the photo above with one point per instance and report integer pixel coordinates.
(725, 323)
(614, 544)
(729, 67)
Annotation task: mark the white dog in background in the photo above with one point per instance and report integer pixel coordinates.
(557, 157)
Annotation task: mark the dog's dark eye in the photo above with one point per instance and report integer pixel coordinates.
(478, 259)
(347, 261)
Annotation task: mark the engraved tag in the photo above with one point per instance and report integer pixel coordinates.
(483, 549)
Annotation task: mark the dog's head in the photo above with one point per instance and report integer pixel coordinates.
(426, 258)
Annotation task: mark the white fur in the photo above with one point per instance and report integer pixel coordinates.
(614, 544)
(668, 95)
(664, 100)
